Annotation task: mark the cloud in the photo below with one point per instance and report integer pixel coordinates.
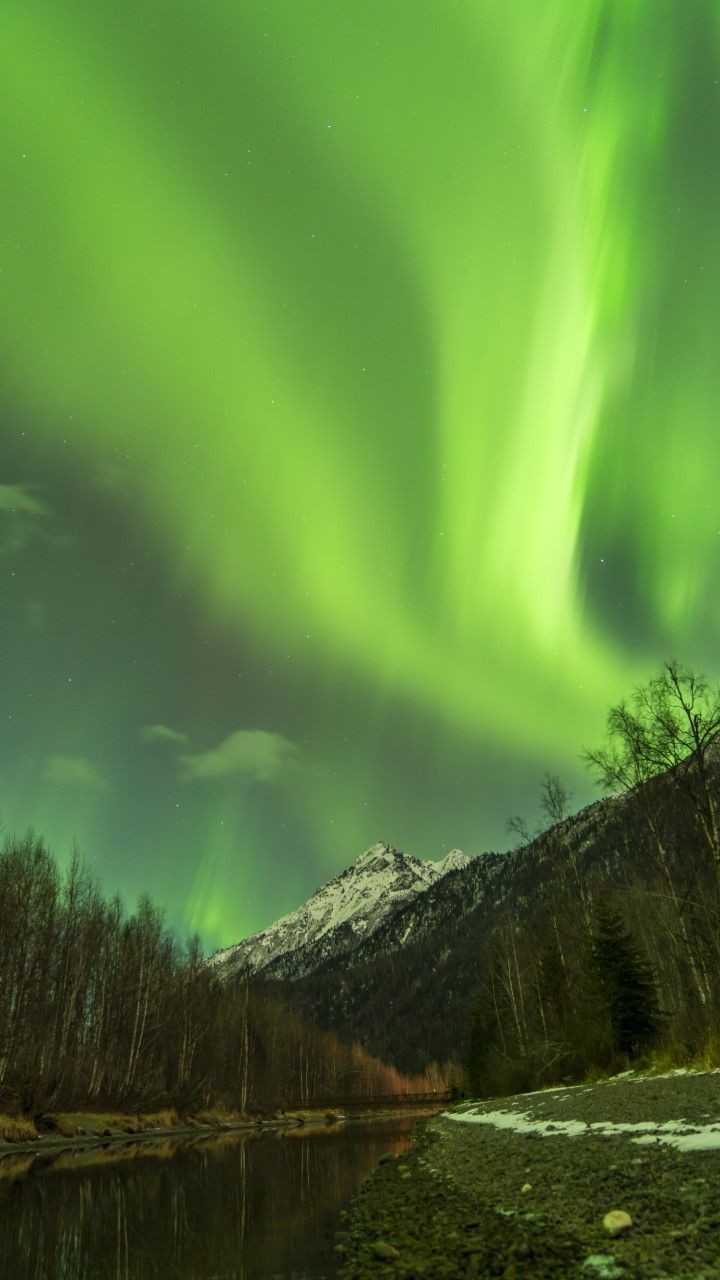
(17, 498)
(248, 753)
(20, 511)
(162, 733)
(74, 771)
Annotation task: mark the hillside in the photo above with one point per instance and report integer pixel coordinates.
(408, 991)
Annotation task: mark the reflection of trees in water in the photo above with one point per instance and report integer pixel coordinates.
(237, 1206)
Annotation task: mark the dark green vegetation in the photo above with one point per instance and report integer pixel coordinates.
(101, 1008)
(456, 1207)
(627, 987)
(601, 1012)
(514, 946)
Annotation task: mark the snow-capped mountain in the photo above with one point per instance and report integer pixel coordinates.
(347, 910)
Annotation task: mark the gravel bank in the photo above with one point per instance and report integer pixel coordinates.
(479, 1199)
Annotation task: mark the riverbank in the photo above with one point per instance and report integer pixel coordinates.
(80, 1129)
(83, 1128)
(520, 1187)
(261, 1202)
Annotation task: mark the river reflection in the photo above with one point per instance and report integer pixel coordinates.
(234, 1207)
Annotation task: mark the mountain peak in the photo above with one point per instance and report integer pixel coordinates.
(455, 860)
(381, 849)
(346, 910)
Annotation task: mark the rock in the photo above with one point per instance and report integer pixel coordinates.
(602, 1266)
(387, 1157)
(386, 1252)
(616, 1222)
(526, 1186)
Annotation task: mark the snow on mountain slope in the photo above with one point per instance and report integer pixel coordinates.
(341, 913)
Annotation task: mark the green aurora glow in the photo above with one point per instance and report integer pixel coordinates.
(361, 363)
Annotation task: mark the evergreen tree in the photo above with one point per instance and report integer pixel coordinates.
(627, 985)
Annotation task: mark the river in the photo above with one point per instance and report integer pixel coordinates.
(236, 1206)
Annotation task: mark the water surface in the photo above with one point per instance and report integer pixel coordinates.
(230, 1207)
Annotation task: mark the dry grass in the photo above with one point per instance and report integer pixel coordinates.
(219, 1117)
(673, 1057)
(80, 1124)
(708, 1058)
(105, 1124)
(302, 1115)
(17, 1129)
(166, 1119)
(113, 1124)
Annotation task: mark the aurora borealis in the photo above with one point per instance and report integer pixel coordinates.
(360, 419)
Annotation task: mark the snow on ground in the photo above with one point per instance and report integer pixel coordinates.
(622, 1077)
(674, 1133)
(641, 1077)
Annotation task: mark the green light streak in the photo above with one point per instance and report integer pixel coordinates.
(384, 310)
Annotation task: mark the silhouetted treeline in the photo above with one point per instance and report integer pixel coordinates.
(101, 1008)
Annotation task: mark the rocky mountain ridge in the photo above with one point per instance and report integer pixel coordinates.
(400, 971)
(407, 992)
(349, 909)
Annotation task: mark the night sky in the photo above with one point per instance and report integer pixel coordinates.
(359, 406)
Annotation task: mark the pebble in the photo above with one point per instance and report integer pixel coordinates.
(616, 1222)
(602, 1266)
(526, 1186)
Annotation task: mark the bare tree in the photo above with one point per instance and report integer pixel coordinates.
(517, 825)
(555, 799)
(670, 725)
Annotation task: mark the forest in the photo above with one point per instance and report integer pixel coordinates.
(104, 1008)
(621, 965)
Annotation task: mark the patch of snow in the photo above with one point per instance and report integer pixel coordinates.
(674, 1133)
(556, 1088)
(520, 1122)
